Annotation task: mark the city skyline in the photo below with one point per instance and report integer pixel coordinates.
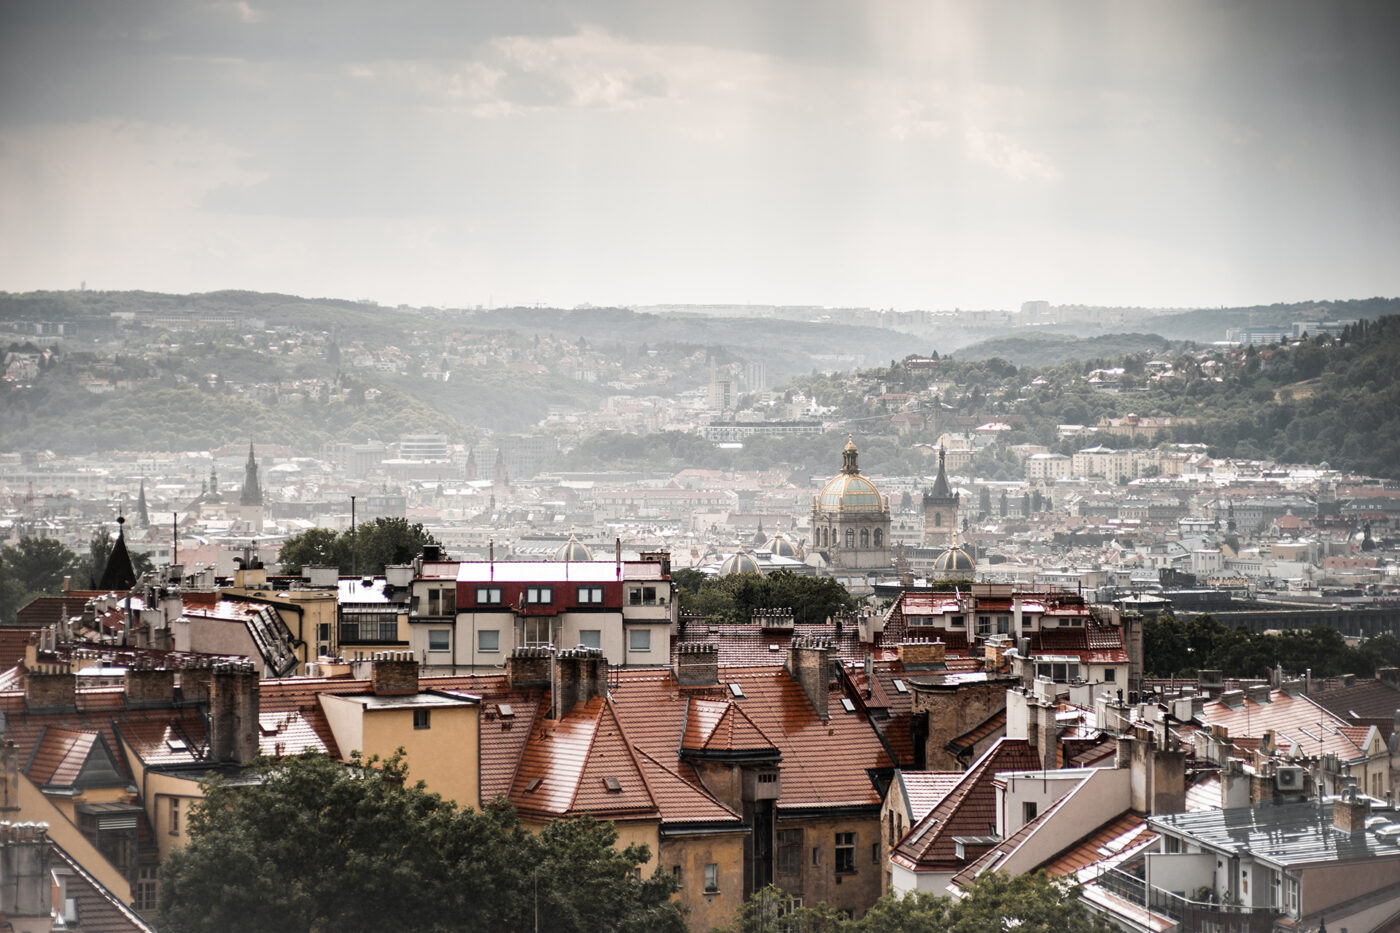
(883, 155)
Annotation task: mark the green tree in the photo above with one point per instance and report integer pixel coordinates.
(373, 546)
(316, 845)
(99, 550)
(34, 567)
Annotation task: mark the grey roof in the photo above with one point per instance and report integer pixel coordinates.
(1281, 834)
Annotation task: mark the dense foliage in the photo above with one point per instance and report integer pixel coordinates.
(735, 597)
(1031, 903)
(370, 548)
(1174, 647)
(315, 845)
(36, 567)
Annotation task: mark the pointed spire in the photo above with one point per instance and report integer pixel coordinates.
(143, 515)
(941, 489)
(118, 575)
(252, 491)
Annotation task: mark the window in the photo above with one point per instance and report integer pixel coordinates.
(644, 596)
(845, 853)
(711, 877)
(1291, 891)
(440, 640)
(865, 537)
(874, 853)
(174, 816)
(937, 519)
(441, 602)
(1110, 674)
(816, 856)
(488, 595)
(956, 622)
(422, 719)
(1173, 844)
(488, 640)
(323, 631)
(879, 538)
(147, 888)
(590, 638)
(1028, 810)
(590, 595)
(1003, 625)
(539, 595)
(789, 851)
(639, 639)
(850, 537)
(537, 631)
(984, 625)
(676, 874)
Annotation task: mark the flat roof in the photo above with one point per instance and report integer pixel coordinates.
(541, 571)
(1283, 834)
(372, 701)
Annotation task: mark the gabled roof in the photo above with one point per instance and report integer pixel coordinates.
(969, 809)
(1293, 720)
(680, 801)
(1367, 699)
(924, 790)
(99, 910)
(722, 727)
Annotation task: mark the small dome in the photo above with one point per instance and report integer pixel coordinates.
(573, 550)
(781, 546)
(953, 559)
(740, 562)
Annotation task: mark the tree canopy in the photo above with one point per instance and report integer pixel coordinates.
(735, 597)
(373, 546)
(1173, 646)
(34, 567)
(316, 845)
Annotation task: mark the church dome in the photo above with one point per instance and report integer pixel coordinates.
(848, 491)
(954, 559)
(573, 550)
(740, 562)
(782, 546)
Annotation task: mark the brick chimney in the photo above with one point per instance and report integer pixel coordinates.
(528, 666)
(583, 675)
(922, 651)
(51, 687)
(149, 686)
(809, 663)
(697, 664)
(233, 713)
(395, 673)
(1349, 811)
(196, 681)
(27, 895)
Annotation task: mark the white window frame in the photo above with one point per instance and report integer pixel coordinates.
(597, 639)
(539, 595)
(481, 641)
(635, 635)
(488, 595)
(590, 596)
(447, 642)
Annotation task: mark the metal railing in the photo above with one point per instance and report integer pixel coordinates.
(1203, 916)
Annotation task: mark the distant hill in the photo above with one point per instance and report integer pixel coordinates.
(1050, 349)
(1208, 325)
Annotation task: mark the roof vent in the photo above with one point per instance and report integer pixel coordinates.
(613, 785)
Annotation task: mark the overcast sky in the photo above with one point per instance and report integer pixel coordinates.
(887, 154)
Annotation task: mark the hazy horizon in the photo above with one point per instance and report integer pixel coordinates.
(889, 154)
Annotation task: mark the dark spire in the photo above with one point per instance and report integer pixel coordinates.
(941, 489)
(118, 574)
(214, 495)
(143, 515)
(252, 492)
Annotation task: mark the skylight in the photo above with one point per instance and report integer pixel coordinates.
(612, 784)
(737, 690)
(848, 705)
(899, 686)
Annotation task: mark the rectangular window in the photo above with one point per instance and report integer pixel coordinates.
(845, 853)
(676, 874)
(539, 595)
(174, 816)
(537, 631)
(488, 595)
(711, 877)
(984, 625)
(590, 638)
(789, 851)
(1003, 625)
(642, 596)
(1110, 674)
(590, 595)
(639, 639)
(1028, 811)
(147, 888)
(488, 640)
(422, 719)
(434, 603)
(323, 631)
(440, 640)
(956, 622)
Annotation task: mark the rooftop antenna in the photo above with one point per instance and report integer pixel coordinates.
(354, 554)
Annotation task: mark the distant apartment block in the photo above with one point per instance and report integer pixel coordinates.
(729, 431)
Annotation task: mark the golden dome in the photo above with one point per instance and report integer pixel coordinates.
(848, 491)
(573, 550)
(741, 562)
(782, 546)
(954, 558)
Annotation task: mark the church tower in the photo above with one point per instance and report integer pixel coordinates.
(250, 500)
(940, 510)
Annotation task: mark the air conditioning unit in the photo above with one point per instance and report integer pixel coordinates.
(1288, 778)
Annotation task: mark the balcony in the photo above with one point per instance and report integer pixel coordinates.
(370, 631)
(1202, 916)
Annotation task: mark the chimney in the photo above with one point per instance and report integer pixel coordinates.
(195, 683)
(1259, 693)
(528, 666)
(233, 713)
(395, 673)
(1233, 699)
(27, 895)
(914, 651)
(147, 686)
(51, 687)
(1293, 687)
(583, 676)
(1349, 811)
(809, 663)
(697, 664)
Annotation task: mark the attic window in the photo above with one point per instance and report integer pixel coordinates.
(899, 686)
(177, 745)
(534, 783)
(611, 783)
(506, 709)
(737, 690)
(848, 705)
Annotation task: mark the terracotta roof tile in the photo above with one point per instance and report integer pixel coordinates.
(680, 800)
(99, 910)
(969, 809)
(732, 731)
(923, 790)
(59, 756)
(1126, 831)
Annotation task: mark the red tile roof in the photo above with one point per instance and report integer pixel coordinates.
(729, 731)
(969, 809)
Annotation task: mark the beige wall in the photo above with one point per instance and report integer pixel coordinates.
(35, 807)
(819, 883)
(1327, 885)
(707, 910)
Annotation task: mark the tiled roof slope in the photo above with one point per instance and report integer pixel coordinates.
(1292, 719)
(1368, 702)
(749, 644)
(679, 800)
(969, 809)
(923, 790)
(731, 731)
(99, 910)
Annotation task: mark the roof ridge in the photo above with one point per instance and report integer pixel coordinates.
(587, 752)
